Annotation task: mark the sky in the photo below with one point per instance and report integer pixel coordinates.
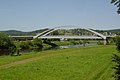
(30, 15)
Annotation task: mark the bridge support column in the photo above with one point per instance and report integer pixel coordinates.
(105, 41)
(62, 39)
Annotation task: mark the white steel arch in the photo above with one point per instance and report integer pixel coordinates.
(45, 33)
(41, 33)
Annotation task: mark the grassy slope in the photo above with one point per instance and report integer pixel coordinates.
(86, 63)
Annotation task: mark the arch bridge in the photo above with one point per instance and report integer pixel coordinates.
(45, 34)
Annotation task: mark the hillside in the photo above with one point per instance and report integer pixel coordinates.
(115, 30)
(112, 30)
(20, 33)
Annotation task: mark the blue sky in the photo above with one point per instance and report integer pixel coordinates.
(29, 15)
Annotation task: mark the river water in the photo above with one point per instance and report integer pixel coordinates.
(78, 45)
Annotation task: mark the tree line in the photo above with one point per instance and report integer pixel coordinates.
(9, 47)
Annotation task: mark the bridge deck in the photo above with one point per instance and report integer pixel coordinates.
(71, 37)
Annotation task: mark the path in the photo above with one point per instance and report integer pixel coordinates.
(25, 61)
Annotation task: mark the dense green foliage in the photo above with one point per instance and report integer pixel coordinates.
(85, 63)
(117, 40)
(35, 44)
(116, 59)
(25, 45)
(38, 44)
(117, 3)
(6, 45)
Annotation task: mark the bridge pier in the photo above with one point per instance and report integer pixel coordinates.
(105, 41)
(62, 39)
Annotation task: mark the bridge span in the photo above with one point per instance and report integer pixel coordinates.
(45, 34)
(55, 37)
(69, 37)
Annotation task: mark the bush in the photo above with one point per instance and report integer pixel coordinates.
(100, 43)
(37, 43)
(24, 45)
(80, 42)
(111, 40)
(7, 46)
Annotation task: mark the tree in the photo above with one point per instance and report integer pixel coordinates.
(116, 3)
(117, 40)
(116, 59)
(7, 46)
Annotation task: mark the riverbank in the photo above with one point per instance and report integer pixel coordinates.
(85, 63)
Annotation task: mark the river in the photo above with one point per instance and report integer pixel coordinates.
(78, 45)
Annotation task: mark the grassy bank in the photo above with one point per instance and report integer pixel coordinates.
(84, 63)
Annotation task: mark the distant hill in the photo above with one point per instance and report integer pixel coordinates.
(32, 33)
(115, 31)
(20, 33)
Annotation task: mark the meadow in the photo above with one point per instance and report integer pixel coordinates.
(84, 63)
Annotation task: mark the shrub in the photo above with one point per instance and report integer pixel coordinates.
(37, 43)
(100, 43)
(7, 46)
(24, 45)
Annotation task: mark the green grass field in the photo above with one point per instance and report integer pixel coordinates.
(84, 63)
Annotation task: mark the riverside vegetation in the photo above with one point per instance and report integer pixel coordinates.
(116, 59)
(84, 63)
